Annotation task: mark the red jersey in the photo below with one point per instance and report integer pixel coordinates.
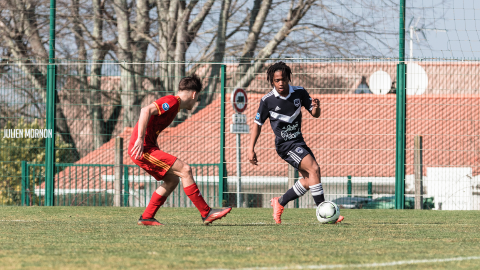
(168, 107)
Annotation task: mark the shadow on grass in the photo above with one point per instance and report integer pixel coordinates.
(245, 225)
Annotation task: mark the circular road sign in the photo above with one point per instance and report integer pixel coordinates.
(239, 100)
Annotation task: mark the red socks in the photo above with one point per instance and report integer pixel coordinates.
(153, 205)
(191, 191)
(195, 196)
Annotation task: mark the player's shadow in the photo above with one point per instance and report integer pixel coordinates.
(245, 225)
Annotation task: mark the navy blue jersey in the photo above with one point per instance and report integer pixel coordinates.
(285, 113)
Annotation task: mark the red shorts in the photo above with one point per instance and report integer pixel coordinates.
(155, 162)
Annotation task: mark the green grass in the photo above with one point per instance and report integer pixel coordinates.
(107, 237)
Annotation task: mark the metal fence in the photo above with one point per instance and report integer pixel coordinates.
(395, 132)
(93, 185)
(354, 140)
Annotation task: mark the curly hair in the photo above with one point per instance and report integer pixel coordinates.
(286, 71)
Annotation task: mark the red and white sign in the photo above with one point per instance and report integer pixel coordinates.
(239, 100)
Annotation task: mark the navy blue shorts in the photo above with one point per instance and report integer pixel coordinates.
(293, 152)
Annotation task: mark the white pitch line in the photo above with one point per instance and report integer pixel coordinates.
(365, 265)
(15, 220)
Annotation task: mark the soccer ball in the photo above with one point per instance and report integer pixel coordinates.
(328, 212)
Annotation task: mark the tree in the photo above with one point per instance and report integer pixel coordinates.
(15, 150)
(182, 36)
(23, 33)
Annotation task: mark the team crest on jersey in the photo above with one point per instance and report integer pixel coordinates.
(165, 106)
(257, 117)
(297, 102)
(299, 150)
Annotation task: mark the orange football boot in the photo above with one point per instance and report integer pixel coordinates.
(277, 210)
(340, 218)
(148, 222)
(215, 214)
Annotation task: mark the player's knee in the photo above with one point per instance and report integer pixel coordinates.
(314, 169)
(186, 170)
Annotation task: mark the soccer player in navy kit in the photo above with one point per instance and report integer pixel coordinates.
(283, 107)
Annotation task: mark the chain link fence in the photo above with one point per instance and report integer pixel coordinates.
(353, 140)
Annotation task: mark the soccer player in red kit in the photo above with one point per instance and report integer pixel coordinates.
(144, 151)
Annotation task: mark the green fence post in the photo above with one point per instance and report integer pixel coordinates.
(50, 125)
(370, 190)
(400, 132)
(126, 188)
(27, 184)
(349, 186)
(24, 182)
(222, 182)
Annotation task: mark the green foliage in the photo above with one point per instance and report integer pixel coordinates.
(15, 150)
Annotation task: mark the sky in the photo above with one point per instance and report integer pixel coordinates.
(460, 27)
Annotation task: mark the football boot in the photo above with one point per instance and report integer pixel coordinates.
(215, 214)
(148, 222)
(340, 218)
(277, 210)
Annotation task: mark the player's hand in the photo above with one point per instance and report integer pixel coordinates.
(316, 103)
(252, 157)
(137, 149)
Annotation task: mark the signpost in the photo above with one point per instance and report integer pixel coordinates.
(239, 126)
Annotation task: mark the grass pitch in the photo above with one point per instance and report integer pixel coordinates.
(106, 237)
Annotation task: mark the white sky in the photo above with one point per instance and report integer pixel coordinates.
(461, 22)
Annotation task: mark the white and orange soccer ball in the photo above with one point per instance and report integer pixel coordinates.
(328, 212)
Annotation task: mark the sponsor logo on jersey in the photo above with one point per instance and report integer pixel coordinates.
(297, 102)
(299, 150)
(257, 117)
(290, 132)
(165, 106)
(277, 108)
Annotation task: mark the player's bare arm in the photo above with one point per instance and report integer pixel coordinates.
(282, 106)
(255, 133)
(145, 113)
(316, 108)
(163, 166)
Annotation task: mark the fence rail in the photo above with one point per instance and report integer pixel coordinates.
(355, 135)
(92, 185)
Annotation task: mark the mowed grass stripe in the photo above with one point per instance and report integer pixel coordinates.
(108, 238)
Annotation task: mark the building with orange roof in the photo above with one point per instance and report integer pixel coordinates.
(355, 136)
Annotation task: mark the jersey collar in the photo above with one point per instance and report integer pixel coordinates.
(290, 91)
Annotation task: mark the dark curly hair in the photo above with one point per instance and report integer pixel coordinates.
(192, 82)
(276, 67)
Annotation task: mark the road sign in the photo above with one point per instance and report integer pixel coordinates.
(239, 128)
(239, 124)
(239, 100)
(239, 118)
